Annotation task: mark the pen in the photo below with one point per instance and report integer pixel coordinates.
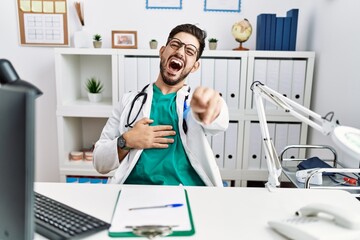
(173, 205)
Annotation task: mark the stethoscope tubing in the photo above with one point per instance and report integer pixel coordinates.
(144, 94)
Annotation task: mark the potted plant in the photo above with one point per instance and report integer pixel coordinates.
(94, 88)
(97, 41)
(212, 43)
(153, 43)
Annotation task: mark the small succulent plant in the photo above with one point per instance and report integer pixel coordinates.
(213, 40)
(93, 85)
(97, 37)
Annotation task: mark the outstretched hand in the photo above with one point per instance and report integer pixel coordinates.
(142, 135)
(206, 102)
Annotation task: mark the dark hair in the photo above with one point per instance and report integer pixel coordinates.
(193, 30)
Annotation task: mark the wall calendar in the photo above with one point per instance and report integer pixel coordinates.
(43, 22)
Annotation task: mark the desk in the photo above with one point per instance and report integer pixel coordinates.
(218, 213)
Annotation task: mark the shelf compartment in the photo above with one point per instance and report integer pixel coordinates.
(77, 134)
(72, 72)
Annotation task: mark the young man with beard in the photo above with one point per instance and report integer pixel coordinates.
(155, 136)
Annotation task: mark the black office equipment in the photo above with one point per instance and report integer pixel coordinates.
(17, 113)
(9, 76)
(17, 153)
(58, 221)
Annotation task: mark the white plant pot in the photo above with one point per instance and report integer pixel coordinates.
(97, 44)
(212, 45)
(153, 45)
(95, 97)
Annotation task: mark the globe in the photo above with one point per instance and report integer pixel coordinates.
(241, 31)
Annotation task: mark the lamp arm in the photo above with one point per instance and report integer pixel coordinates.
(272, 160)
(325, 124)
(322, 124)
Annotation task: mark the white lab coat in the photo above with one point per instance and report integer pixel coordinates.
(195, 142)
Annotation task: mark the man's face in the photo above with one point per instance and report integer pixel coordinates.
(178, 58)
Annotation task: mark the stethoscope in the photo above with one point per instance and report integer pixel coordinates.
(143, 94)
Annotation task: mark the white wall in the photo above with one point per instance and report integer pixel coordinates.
(328, 27)
(335, 40)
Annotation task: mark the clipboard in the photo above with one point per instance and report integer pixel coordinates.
(145, 205)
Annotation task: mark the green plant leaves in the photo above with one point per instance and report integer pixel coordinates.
(93, 85)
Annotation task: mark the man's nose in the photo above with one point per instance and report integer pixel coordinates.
(183, 52)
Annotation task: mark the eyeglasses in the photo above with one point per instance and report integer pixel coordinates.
(176, 44)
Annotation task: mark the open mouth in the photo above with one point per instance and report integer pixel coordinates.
(175, 65)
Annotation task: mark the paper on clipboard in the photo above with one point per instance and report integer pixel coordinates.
(149, 196)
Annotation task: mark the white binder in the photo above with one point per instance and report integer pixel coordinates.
(271, 127)
(143, 72)
(272, 78)
(298, 81)
(154, 68)
(233, 86)
(255, 146)
(260, 70)
(130, 74)
(231, 142)
(207, 72)
(194, 80)
(293, 139)
(218, 148)
(221, 76)
(281, 136)
(285, 77)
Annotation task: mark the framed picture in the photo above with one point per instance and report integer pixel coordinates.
(222, 5)
(164, 4)
(124, 39)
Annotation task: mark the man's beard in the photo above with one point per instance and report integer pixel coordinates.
(170, 82)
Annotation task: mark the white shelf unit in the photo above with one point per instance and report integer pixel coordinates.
(289, 73)
(80, 122)
(229, 72)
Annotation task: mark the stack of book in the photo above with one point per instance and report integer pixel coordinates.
(277, 33)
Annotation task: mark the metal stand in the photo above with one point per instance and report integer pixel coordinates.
(151, 231)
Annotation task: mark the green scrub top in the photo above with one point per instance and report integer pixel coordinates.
(164, 166)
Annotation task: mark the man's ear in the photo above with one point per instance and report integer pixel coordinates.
(196, 66)
(161, 50)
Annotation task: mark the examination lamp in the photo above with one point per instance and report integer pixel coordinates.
(9, 76)
(347, 138)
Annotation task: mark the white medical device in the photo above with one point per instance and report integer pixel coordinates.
(320, 222)
(301, 176)
(347, 138)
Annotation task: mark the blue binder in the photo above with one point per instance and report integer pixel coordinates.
(260, 31)
(270, 18)
(294, 15)
(272, 31)
(279, 33)
(286, 34)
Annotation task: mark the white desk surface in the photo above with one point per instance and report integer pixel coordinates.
(218, 213)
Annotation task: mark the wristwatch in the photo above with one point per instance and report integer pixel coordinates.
(121, 142)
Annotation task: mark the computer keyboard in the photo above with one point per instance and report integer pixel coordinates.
(56, 220)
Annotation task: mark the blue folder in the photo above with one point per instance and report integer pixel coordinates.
(260, 31)
(279, 33)
(286, 34)
(294, 15)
